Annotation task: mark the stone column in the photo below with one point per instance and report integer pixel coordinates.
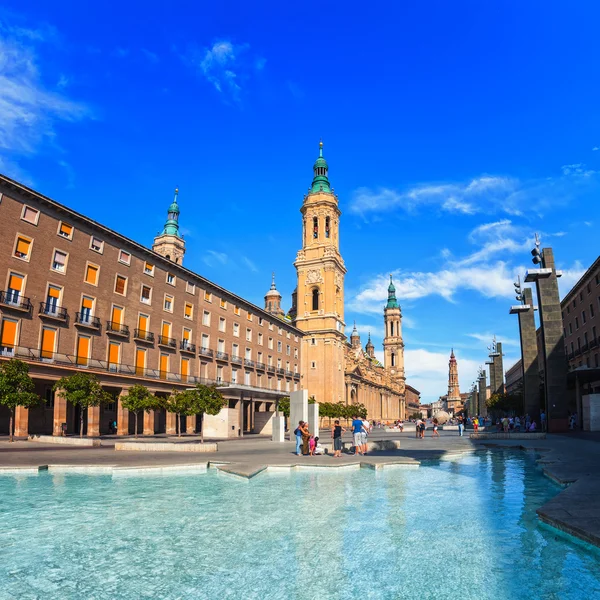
(278, 429)
(313, 418)
(492, 370)
(553, 343)
(298, 408)
(529, 355)
(171, 425)
(60, 413)
(93, 421)
(149, 423)
(122, 415)
(481, 396)
(498, 370)
(21, 421)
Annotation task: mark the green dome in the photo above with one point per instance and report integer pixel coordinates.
(320, 181)
(392, 302)
(172, 225)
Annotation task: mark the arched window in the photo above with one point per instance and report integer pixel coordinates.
(315, 299)
(326, 227)
(315, 228)
(168, 257)
(393, 359)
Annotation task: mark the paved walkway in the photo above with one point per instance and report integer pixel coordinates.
(571, 460)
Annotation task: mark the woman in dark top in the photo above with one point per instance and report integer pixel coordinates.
(336, 433)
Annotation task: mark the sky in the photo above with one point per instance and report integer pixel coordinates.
(453, 132)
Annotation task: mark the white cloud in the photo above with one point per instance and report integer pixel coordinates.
(595, 149)
(28, 110)
(486, 338)
(570, 276)
(250, 264)
(213, 258)
(577, 169)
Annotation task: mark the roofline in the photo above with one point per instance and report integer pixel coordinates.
(582, 279)
(61, 207)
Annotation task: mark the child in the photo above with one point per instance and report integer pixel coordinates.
(318, 449)
(311, 445)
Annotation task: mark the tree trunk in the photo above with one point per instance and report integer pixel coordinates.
(202, 428)
(136, 422)
(179, 421)
(80, 421)
(10, 426)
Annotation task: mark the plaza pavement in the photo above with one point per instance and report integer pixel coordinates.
(572, 460)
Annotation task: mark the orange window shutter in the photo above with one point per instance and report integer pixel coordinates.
(120, 285)
(188, 310)
(91, 274)
(16, 282)
(143, 323)
(53, 292)
(9, 333)
(66, 229)
(23, 246)
(140, 358)
(164, 362)
(185, 367)
(48, 342)
(83, 350)
(117, 313)
(166, 330)
(186, 334)
(113, 354)
(87, 303)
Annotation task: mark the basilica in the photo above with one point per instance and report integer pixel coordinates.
(333, 368)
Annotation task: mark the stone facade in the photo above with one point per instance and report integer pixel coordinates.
(453, 399)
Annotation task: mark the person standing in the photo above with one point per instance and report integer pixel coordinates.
(357, 429)
(305, 438)
(543, 420)
(336, 433)
(298, 434)
(365, 435)
(460, 426)
(435, 429)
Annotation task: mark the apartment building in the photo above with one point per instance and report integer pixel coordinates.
(75, 295)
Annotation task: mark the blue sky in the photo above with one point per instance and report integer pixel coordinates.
(453, 132)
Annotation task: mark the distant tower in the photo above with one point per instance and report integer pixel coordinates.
(370, 349)
(355, 338)
(273, 300)
(393, 346)
(453, 399)
(169, 243)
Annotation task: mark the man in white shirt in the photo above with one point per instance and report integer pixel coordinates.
(365, 434)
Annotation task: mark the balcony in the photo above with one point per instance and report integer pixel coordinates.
(289, 373)
(584, 348)
(14, 300)
(167, 342)
(143, 336)
(248, 362)
(187, 346)
(236, 359)
(119, 329)
(594, 343)
(261, 366)
(86, 320)
(270, 369)
(296, 375)
(204, 351)
(577, 351)
(221, 355)
(280, 371)
(50, 310)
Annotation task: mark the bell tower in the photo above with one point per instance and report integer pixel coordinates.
(393, 346)
(319, 306)
(170, 243)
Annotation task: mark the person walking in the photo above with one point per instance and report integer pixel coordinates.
(336, 433)
(298, 434)
(435, 429)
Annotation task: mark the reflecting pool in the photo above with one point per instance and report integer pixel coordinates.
(460, 529)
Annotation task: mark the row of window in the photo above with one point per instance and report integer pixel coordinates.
(583, 318)
(589, 291)
(585, 340)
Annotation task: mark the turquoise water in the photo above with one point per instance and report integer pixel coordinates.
(462, 529)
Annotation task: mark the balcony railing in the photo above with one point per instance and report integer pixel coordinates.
(204, 351)
(52, 311)
(86, 320)
(594, 343)
(117, 328)
(221, 355)
(166, 341)
(101, 366)
(261, 366)
(584, 348)
(14, 300)
(270, 368)
(186, 346)
(577, 351)
(236, 359)
(248, 362)
(296, 375)
(289, 373)
(280, 371)
(143, 336)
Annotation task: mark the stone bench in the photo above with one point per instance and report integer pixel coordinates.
(165, 447)
(64, 441)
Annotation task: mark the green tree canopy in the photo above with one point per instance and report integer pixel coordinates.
(140, 399)
(206, 400)
(83, 390)
(16, 389)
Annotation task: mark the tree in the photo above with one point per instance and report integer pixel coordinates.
(206, 399)
(182, 403)
(505, 403)
(139, 399)
(16, 389)
(283, 406)
(83, 390)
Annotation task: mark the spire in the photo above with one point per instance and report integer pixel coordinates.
(273, 299)
(392, 302)
(172, 225)
(320, 181)
(452, 353)
(355, 338)
(273, 281)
